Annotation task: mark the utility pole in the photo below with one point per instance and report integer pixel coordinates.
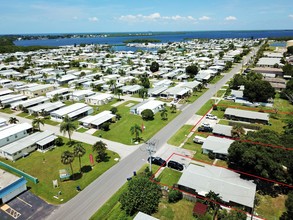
(151, 148)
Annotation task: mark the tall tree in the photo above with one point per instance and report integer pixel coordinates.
(164, 114)
(112, 84)
(237, 131)
(67, 158)
(143, 93)
(173, 108)
(13, 120)
(67, 126)
(258, 91)
(191, 70)
(136, 130)
(144, 81)
(37, 122)
(100, 148)
(154, 67)
(79, 151)
(141, 195)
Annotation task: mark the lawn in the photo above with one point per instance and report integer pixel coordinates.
(270, 208)
(223, 122)
(6, 110)
(216, 79)
(82, 129)
(218, 113)
(23, 114)
(120, 130)
(169, 177)
(46, 166)
(50, 122)
(282, 105)
(220, 93)
(180, 135)
(195, 96)
(205, 108)
(190, 145)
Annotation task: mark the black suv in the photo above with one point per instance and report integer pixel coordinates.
(157, 161)
(205, 129)
(175, 165)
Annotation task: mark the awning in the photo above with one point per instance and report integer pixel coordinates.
(46, 140)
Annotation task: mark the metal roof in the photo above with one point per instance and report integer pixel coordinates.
(10, 130)
(48, 107)
(69, 109)
(247, 114)
(226, 183)
(217, 144)
(79, 111)
(222, 130)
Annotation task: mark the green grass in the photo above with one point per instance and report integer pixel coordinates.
(195, 96)
(282, 105)
(120, 130)
(46, 166)
(82, 130)
(176, 211)
(270, 208)
(205, 108)
(50, 122)
(223, 122)
(169, 177)
(218, 113)
(180, 135)
(6, 110)
(23, 114)
(198, 155)
(216, 79)
(220, 93)
(112, 208)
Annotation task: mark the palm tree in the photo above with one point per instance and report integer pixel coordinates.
(213, 200)
(100, 147)
(136, 130)
(79, 151)
(67, 158)
(67, 126)
(112, 84)
(143, 93)
(237, 131)
(164, 114)
(37, 122)
(173, 108)
(13, 120)
(118, 92)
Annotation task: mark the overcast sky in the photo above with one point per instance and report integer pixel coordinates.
(68, 16)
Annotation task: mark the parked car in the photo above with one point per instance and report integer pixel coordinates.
(211, 116)
(205, 129)
(157, 161)
(175, 165)
(198, 139)
(204, 124)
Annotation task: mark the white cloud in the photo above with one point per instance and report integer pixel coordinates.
(230, 18)
(290, 16)
(93, 19)
(154, 17)
(204, 18)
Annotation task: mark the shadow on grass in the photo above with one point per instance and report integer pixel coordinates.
(76, 176)
(86, 169)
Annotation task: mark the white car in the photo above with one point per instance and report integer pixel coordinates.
(210, 116)
(204, 124)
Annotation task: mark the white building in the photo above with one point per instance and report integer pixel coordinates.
(153, 105)
(73, 111)
(79, 95)
(94, 121)
(13, 132)
(99, 99)
(61, 92)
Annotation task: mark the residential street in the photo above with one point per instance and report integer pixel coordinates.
(90, 199)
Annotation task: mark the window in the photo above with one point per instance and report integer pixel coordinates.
(15, 135)
(7, 139)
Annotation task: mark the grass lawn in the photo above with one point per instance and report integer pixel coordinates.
(220, 93)
(50, 122)
(276, 125)
(223, 122)
(46, 166)
(282, 105)
(23, 114)
(112, 208)
(108, 106)
(218, 113)
(205, 108)
(82, 130)
(120, 131)
(169, 176)
(190, 145)
(6, 110)
(195, 95)
(176, 211)
(216, 79)
(270, 208)
(222, 163)
(180, 135)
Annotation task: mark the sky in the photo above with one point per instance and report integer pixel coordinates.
(83, 16)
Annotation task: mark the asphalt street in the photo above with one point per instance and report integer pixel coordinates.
(90, 199)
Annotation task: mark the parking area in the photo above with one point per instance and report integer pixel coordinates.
(26, 206)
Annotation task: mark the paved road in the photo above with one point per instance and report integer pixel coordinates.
(90, 199)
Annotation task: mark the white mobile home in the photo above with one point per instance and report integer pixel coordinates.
(79, 95)
(46, 108)
(94, 121)
(153, 105)
(73, 111)
(99, 99)
(13, 132)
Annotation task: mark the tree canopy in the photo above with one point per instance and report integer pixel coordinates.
(154, 67)
(147, 115)
(258, 91)
(288, 69)
(141, 195)
(192, 70)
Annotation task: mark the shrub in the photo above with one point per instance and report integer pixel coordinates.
(59, 141)
(174, 196)
(212, 156)
(147, 114)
